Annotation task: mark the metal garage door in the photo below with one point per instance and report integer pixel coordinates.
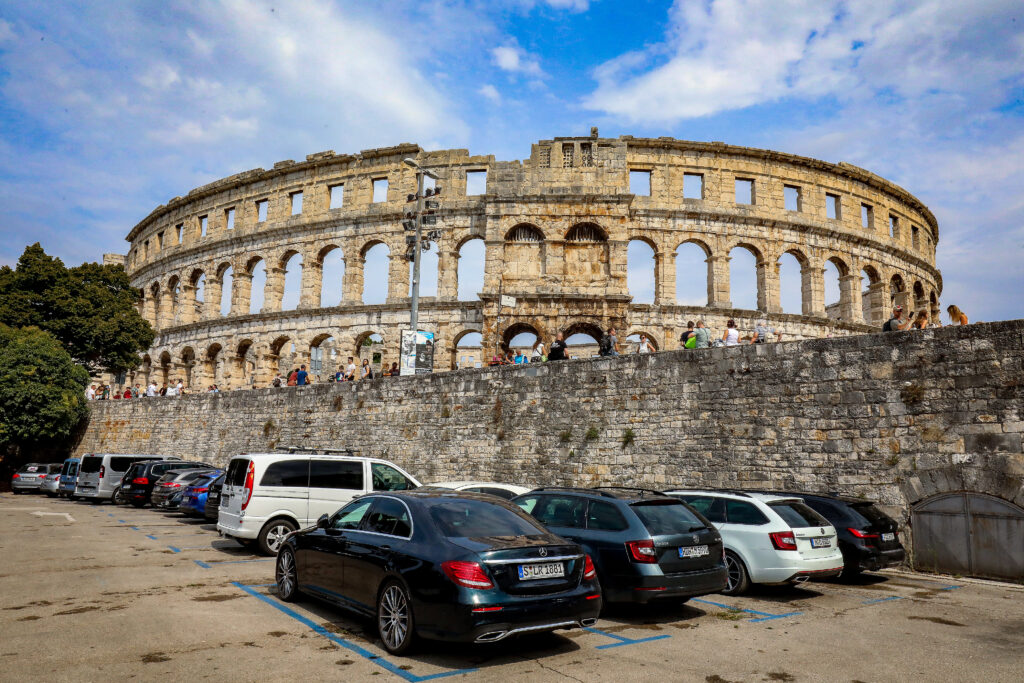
(971, 534)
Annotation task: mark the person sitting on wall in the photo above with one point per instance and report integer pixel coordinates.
(956, 316)
(557, 351)
(896, 322)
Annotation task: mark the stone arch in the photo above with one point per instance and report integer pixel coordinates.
(327, 275)
(165, 368)
(368, 344)
(193, 295)
(319, 362)
(457, 339)
(748, 279)
(692, 288)
(524, 253)
(252, 279)
(586, 232)
(642, 278)
(283, 356)
(582, 327)
(587, 254)
(213, 366)
(898, 294)
(145, 369)
(377, 288)
(151, 306)
(470, 269)
(841, 291)
(521, 327)
(188, 366)
(873, 297)
(633, 339)
(244, 365)
(284, 284)
(221, 300)
(524, 232)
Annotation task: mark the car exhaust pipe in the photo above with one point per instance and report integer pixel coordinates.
(801, 579)
(491, 637)
(586, 623)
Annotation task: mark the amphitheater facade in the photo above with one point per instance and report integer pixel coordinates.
(555, 228)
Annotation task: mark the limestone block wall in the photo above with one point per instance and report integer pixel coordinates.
(556, 228)
(895, 417)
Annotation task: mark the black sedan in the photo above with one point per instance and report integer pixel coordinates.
(441, 565)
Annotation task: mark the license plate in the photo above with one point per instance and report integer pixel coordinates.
(548, 570)
(821, 542)
(694, 551)
(888, 537)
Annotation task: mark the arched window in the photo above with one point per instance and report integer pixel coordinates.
(791, 282)
(257, 291)
(227, 283)
(524, 233)
(472, 259)
(586, 232)
(375, 273)
(640, 273)
(332, 276)
(743, 278)
(692, 274)
(292, 282)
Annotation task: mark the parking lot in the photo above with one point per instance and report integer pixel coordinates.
(98, 591)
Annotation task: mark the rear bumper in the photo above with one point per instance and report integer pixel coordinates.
(794, 568)
(239, 527)
(645, 588)
(22, 486)
(93, 493)
(872, 559)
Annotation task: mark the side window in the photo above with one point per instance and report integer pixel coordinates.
(350, 516)
(388, 516)
(561, 511)
(605, 517)
(527, 504)
(387, 478)
(286, 473)
(237, 471)
(712, 508)
(336, 474)
(740, 512)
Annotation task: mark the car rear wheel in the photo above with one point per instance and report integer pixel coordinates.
(118, 497)
(739, 580)
(273, 534)
(394, 619)
(287, 576)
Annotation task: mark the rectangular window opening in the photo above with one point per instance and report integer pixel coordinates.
(429, 183)
(380, 190)
(145, 249)
(833, 209)
(180, 230)
(693, 186)
(586, 154)
(337, 196)
(261, 210)
(229, 218)
(203, 225)
(915, 236)
(544, 157)
(894, 227)
(568, 151)
(160, 240)
(640, 183)
(744, 191)
(476, 183)
(296, 198)
(867, 216)
(791, 194)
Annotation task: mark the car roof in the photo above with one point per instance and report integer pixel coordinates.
(735, 494)
(469, 482)
(624, 493)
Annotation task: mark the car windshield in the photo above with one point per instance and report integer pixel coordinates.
(90, 465)
(798, 515)
(477, 518)
(663, 517)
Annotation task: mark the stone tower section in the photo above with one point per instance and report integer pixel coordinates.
(555, 228)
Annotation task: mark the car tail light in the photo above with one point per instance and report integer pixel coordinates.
(861, 534)
(783, 540)
(202, 490)
(486, 609)
(467, 574)
(249, 476)
(16, 476)
(588, 569)
(142, 481)
(172, 485)
(103, 470)
(642, 551)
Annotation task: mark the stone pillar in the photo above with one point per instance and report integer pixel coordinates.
(211, 305)
(352, 281)
(618, 266)
(448, 277)
(149, 309)
(768, 295)
(878, 295)
(718, 282)
(186, 305)
(312, 282)
(241, 293)
(398, 277)
(812, 286)
(274, 293)
(665, 278)
(921, 304)
(850, 305)
(164, 310)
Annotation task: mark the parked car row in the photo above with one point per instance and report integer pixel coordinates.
(480, 561)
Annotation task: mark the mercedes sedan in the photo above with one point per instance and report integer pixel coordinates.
(441, 565)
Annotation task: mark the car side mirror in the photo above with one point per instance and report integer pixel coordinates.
(323, 522)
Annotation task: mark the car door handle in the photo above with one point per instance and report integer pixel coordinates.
(385, 547)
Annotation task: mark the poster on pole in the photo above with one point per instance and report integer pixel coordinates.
(417, 353)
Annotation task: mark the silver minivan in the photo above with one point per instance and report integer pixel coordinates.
(99, 474)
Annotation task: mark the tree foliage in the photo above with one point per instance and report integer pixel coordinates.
(89, 308)
(42, 389)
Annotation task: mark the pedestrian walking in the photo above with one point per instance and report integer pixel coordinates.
(896, 322)
(557, 348)
(731, 336)
(956, 316)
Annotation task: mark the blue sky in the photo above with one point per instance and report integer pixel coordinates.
(109, 109)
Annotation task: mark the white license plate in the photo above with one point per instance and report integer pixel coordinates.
(694, 551)
(888, 537)
(821, 542)
(547, 570)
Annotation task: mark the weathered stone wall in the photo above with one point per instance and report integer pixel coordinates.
(896, 417)
(556, 229)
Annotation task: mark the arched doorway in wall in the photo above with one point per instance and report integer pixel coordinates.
(323, 357)
(582, 339)
(470, 270)
(641, 274)
(188, 364)
(520, 337)
(631, 344)
(332, 276)
(973, 534)
(370, 346)
(467, 351)
(743, 292)
(165, 369)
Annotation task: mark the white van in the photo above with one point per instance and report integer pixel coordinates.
(266, 496)
(99, 474)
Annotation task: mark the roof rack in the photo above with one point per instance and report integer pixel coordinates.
(572, 488)
(316, 451)
(630, 488)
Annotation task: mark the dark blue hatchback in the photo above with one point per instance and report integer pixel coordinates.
(645, 545)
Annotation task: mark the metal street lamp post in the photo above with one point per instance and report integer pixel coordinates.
(420, 173)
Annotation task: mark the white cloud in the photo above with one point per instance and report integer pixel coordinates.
(6, 31)
(490, 92)
(514, 59)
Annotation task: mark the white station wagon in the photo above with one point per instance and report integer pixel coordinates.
(266, 496)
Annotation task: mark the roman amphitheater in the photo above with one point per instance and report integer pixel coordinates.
(556, 231)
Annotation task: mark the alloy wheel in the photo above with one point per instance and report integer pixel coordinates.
(735, 572)
(276, 536)
(393, 618)
(287, 581)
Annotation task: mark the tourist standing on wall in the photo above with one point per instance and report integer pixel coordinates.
(152, 389)
(762, 332)
(956, 316)
(644, 346)
(896, 322)
(537, 354)
(686, 336)
(609, 344)
(731, 337)
(301, 376)
(350, 370)
(702, 336)
(557, 348)
(367, 371)
(90, 393)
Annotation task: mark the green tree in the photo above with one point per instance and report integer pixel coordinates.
(89, 308)
(42, 389)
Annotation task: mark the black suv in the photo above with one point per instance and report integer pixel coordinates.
(645, 545)
(868, 537)
(137, 483)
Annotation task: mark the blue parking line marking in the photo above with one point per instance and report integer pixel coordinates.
(173, 549)
(622, 639)
(151, 536)
(202, 564)
(135, 528)
(878, 600)
(764, 616)
(209, 565)
(334, 638)
(950, 588)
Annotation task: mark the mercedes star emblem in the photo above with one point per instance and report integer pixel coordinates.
(543, 552)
